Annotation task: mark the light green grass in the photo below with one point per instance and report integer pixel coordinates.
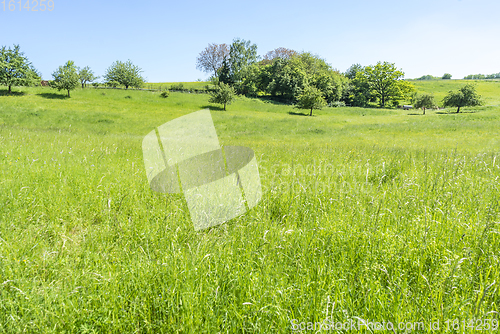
(366, 213)
(488, 89)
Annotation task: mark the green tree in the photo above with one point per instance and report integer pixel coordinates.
(124, 73)
(464, 97)
(385, 82)
(16, 69)
(86, 76)
(424, 101)
(242, 54)
(351, 71)
(311, 98)
(223, 94)
(66, 77)
(446, 76)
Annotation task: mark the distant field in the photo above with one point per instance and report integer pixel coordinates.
(371, 214)
(489, 89)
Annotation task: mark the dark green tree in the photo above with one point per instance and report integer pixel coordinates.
(242, 54)
(446, 76)
(16, 69)
(222, 94)
(66, 77)
(464, 97)
(351, 71)
(124, 73)
(310, 98)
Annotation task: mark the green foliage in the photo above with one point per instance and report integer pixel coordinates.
(16, 69)
(86, 76)
(386, 84)
(482, 76)
(124, 73)
(223, 94)
(242, 54)
(285, 78)
(424, 101)
(177, 86)
(310, 98)
(427, 77)
(446, 76)
(66, 77)
(464, 97)
(353, 70)
(165, 94)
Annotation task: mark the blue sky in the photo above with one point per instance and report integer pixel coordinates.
(164, 37)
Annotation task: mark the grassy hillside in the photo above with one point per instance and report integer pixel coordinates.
(371, 214)
(488, 89)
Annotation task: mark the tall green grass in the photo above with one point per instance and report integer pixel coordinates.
(370, 214)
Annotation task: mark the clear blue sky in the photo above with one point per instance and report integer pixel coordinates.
(164, 37)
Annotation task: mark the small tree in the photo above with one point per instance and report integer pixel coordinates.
(311, 98)
(86, 76)
(446, 76)
(464, 97)
(16, 69)
(126, 74)
(223, 94)
(424, 101)
(65, 77)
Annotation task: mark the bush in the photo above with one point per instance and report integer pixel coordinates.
(178, 86)
(165, 94)
(337, 104)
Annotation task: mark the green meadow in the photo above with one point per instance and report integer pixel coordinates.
(367, 215)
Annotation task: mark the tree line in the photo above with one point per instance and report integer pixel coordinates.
(309, 82)
(300, 78)
(17, 70)
(289, 75)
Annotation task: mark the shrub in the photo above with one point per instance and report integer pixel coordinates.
(178, 86)
(165, 94)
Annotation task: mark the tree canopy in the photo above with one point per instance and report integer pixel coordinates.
(86, 76)
(223, 94)
(124, 73)
(16, 69)
(385, 82)
(66, 77)
(464, 97)
(424, 101)
(311, 98)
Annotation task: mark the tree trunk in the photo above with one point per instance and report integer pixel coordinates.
(458, 110)
(424, 111)
(68, 93)
(10, 89)
(82, 85)
(311, 113)
(126, 86)
(224, 107)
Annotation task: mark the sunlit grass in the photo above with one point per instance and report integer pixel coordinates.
(369, 213)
